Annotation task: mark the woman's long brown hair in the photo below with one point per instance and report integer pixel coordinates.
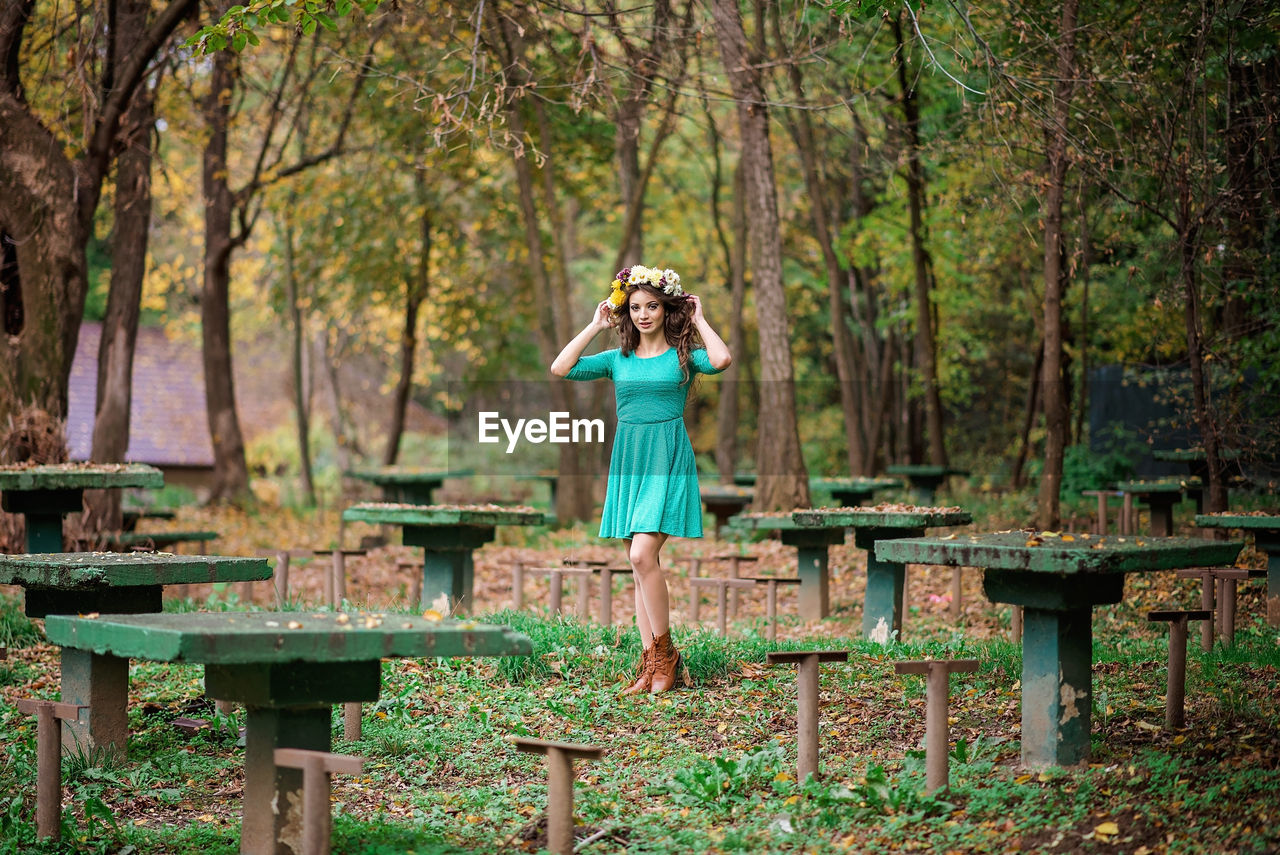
(677, 326)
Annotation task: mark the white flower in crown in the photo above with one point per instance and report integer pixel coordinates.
(671, 282)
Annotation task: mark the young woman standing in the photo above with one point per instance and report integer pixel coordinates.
(652, 491)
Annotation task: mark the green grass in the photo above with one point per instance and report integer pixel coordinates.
(712, 767)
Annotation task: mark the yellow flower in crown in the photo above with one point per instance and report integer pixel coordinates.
(667, 281)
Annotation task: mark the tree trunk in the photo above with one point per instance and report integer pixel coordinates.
(801, 129)
(231, 473)
(416, 291)
(1017, 479)
(119, 338)
(926, 355)
(736, 262)
(1216, 488)
(782, 480)
(297, 360)
(47, 202)
(1055, 416)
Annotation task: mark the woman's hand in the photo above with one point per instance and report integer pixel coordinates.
(603, 318)
(696, 302)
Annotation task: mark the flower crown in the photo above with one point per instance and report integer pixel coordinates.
(667, 281)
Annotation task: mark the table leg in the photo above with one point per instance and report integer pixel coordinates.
(448, 572)
(882, 606)
(1269, 542)
(273, 795)
(102, 684)
(1057, 686)
(1161, 515)
(886, 584)
(44, 532)
(812, 570)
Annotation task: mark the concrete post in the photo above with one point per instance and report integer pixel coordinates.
(1174, 706)
(49, 717)
(317, 768)
(560, 757)
(282, 578)
(937, 749)
(807, 662)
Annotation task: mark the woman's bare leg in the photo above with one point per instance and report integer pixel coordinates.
(651, 585)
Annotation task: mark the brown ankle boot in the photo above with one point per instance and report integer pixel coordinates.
(667, 665)
(644, 675)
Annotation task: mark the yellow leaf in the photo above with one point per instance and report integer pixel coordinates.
(1109, 829)
(782, 776)
(432, 614)
(1068, 538)
(1022, 779)
(791, 800)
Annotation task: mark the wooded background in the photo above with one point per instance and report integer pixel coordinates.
(919, 228)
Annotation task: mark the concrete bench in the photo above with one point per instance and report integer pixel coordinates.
(1177, 680)
(771, 584)
(722, 587)
(1125, 522)
(937, 749)
(158, 540)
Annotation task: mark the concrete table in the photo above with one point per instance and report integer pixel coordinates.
(406, 484)
(723, 501)
(852, 492)
(448, 535)
(45, 494)
(811, 543)
(288, 669)
(1057, 581)
(1160, 496)
(882, 605)
(1197, 463)
(1266, 539)
(116, 582)
(924, 479)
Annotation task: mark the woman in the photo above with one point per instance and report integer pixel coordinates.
(653, 482)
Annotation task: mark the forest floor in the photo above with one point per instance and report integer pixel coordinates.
(709, 767)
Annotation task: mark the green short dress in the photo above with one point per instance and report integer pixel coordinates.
(653, 479)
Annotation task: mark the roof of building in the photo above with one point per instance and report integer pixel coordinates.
(167, 424)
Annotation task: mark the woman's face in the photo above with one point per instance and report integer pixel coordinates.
(647, 312)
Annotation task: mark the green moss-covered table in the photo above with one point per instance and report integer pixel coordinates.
(45, 494)
(924, 479)
(288, 669)
(69, 583)
(1057, 580)
(812, 543)
(1159, 496)
(1265, 528)
(852, 492)
(882, 605)
(448, 535)
(406, 484)
(722, 501)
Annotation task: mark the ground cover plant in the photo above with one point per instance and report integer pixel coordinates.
(707, 768)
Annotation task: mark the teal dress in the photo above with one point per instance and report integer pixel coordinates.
(653, 480)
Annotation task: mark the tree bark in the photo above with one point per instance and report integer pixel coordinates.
(926, 356)
(116, 346)
(416, 290)
(297, 361)
(1188, 233)
(231, 473)
(47, 203)
(1055, 416)
(735, 250)
(802, 133)
(782, 479)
